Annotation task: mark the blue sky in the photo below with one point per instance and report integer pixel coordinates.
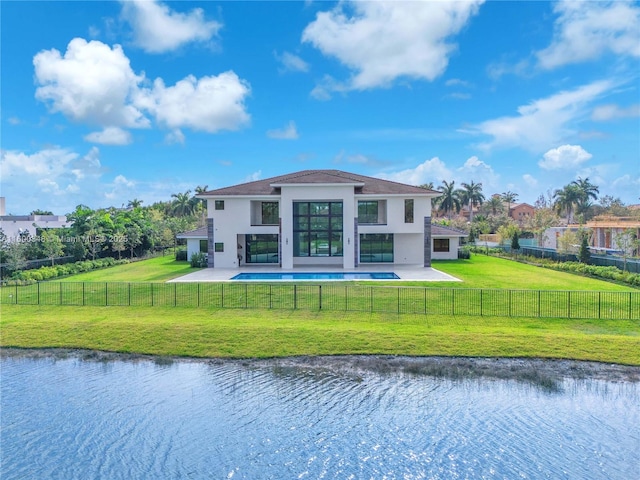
(104, 102)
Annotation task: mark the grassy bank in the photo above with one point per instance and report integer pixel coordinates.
(158, 269)
(259, 333)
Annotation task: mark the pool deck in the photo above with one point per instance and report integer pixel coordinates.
(405, 272)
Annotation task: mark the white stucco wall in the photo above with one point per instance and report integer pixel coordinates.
(235, 220)
(452, 254)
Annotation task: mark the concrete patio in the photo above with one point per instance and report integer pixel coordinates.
(405, 272)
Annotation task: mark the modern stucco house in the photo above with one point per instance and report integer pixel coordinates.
(320, 218)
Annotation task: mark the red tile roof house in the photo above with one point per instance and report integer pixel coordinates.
(325, 218)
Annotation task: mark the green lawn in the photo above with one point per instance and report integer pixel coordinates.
(158, 269)
(483, 271)
(259, 333)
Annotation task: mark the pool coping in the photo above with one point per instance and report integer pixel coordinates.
(405, 272)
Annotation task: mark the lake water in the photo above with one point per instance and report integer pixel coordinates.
(72, 418)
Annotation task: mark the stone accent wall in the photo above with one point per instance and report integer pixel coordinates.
(210, 243)
(427, 241)
(356, 242)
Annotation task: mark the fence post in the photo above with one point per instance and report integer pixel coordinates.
(569, 304)
(320, 296)
(129, 293)
(246, 295)
(198, 294)
(152, 294)
(270, 296)
(599, 304)
(175, 294)
(222, 295)
(83, 294)
(60, 292)
(371, 299)
(481, 310)
(106, 294)
(510, 303)
(425, 300)
(453, 301)
(539, 304)
(398, 300)
(629, 305)
(295, 297)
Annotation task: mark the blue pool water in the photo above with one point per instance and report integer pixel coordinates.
(318, 276)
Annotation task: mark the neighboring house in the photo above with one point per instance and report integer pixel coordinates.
(16, 227)
(521, 212)
(611, 234)
(320, 218)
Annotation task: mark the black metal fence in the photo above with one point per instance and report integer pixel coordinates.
(334, 297)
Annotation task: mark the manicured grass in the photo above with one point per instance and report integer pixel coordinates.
(158, 269)
(264, 333)
(483, 271)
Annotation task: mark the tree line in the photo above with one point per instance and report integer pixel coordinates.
(129, 232)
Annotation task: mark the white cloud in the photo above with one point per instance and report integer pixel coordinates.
(433, 170)
(92, 83)
(565, 157)
(289, 132)
(545, 121)
(158, 29)
(603, 113)
(257, 175)
(63, 178)
(174, 136)
(384, 40)
(123, 181)
(291, 63)
(459, 96)
(587, 30)
(110, 136)
(208, 104)
(530, 180)
(478, 171)
(456, 82)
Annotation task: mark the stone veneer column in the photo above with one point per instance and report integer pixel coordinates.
(356, 242)
(210, 244)
(427, 241)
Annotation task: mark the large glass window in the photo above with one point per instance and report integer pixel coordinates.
(262, 248)
(376, 247)
(204, 246)
(317, 229)
(367, 211)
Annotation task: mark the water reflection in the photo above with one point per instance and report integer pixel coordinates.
(351, 418)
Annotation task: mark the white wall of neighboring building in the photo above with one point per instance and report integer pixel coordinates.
(408, 248)
(13, 225)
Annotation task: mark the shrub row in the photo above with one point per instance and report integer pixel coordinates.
(46, 273)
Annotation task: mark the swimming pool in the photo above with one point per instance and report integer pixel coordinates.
(317, 276)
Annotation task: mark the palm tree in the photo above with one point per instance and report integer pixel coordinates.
(509, 197)
(182, 205)
(587, 191)
(494, 205)
(472, 196)
(566, 199)
(135, 203)
(449, 201)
